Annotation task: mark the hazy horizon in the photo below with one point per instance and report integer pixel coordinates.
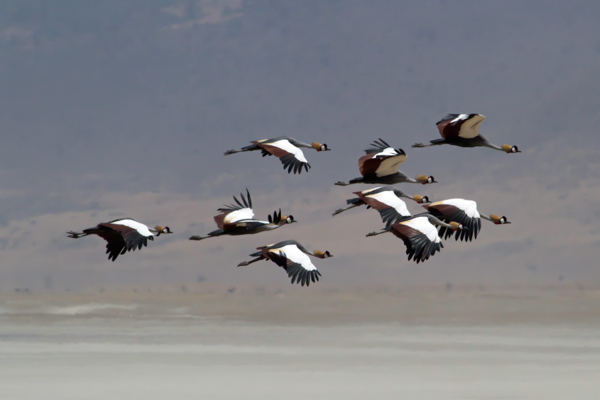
(113, 109)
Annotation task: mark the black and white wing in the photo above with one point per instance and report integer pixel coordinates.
(123, 235)
(458, 210)
(390, 207)
(291, 156)
(295, 262)
(381, 160)
(419, 236)
(233, 213)
(465, 126)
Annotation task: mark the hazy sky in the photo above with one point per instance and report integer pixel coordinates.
(124, 108)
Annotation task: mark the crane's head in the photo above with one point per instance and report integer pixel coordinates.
(425, 179)
(499, 220)
(322, 254)
(510, 149)
(456, 226)
(288, 219)
(159, 229)
(421, 199)
(278, 219)
(320, 147)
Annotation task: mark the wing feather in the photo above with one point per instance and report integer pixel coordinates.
(290, 156)
(297, 264)
(461, 211)
(420, 238)
(465, 126)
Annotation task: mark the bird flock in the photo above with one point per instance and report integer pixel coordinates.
(422, 233)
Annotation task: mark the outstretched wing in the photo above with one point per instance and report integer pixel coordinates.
(390, 207)
(460, 125)
(123, 235)
(232, 213)
(377, 146)
(420, 238)
(291, 156)
(295, 262)
(381, 163)
(115, 243)
(457, 210)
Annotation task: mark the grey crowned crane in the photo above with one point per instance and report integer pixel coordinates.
(287, 149)
(380, 166)
(122, 235)
(464, 212)
(238, 219)
(387, 200)
(463, 130)
(419, 235)
(293, 258)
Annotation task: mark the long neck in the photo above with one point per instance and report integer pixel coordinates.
(493, 146)
(305, 251)
(302, 144)
(438, 222)
(401, 194)
(270, 227)
(485, 217)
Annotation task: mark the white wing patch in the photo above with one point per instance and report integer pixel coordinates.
(141, 228)
(460, 118)
(468, 206)
(423, 225)
(470, 128)
(290, 148)
(388, 151)
(390, 165)
(370, 190)
(293, 253)
(393, 201)
(238, 215)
